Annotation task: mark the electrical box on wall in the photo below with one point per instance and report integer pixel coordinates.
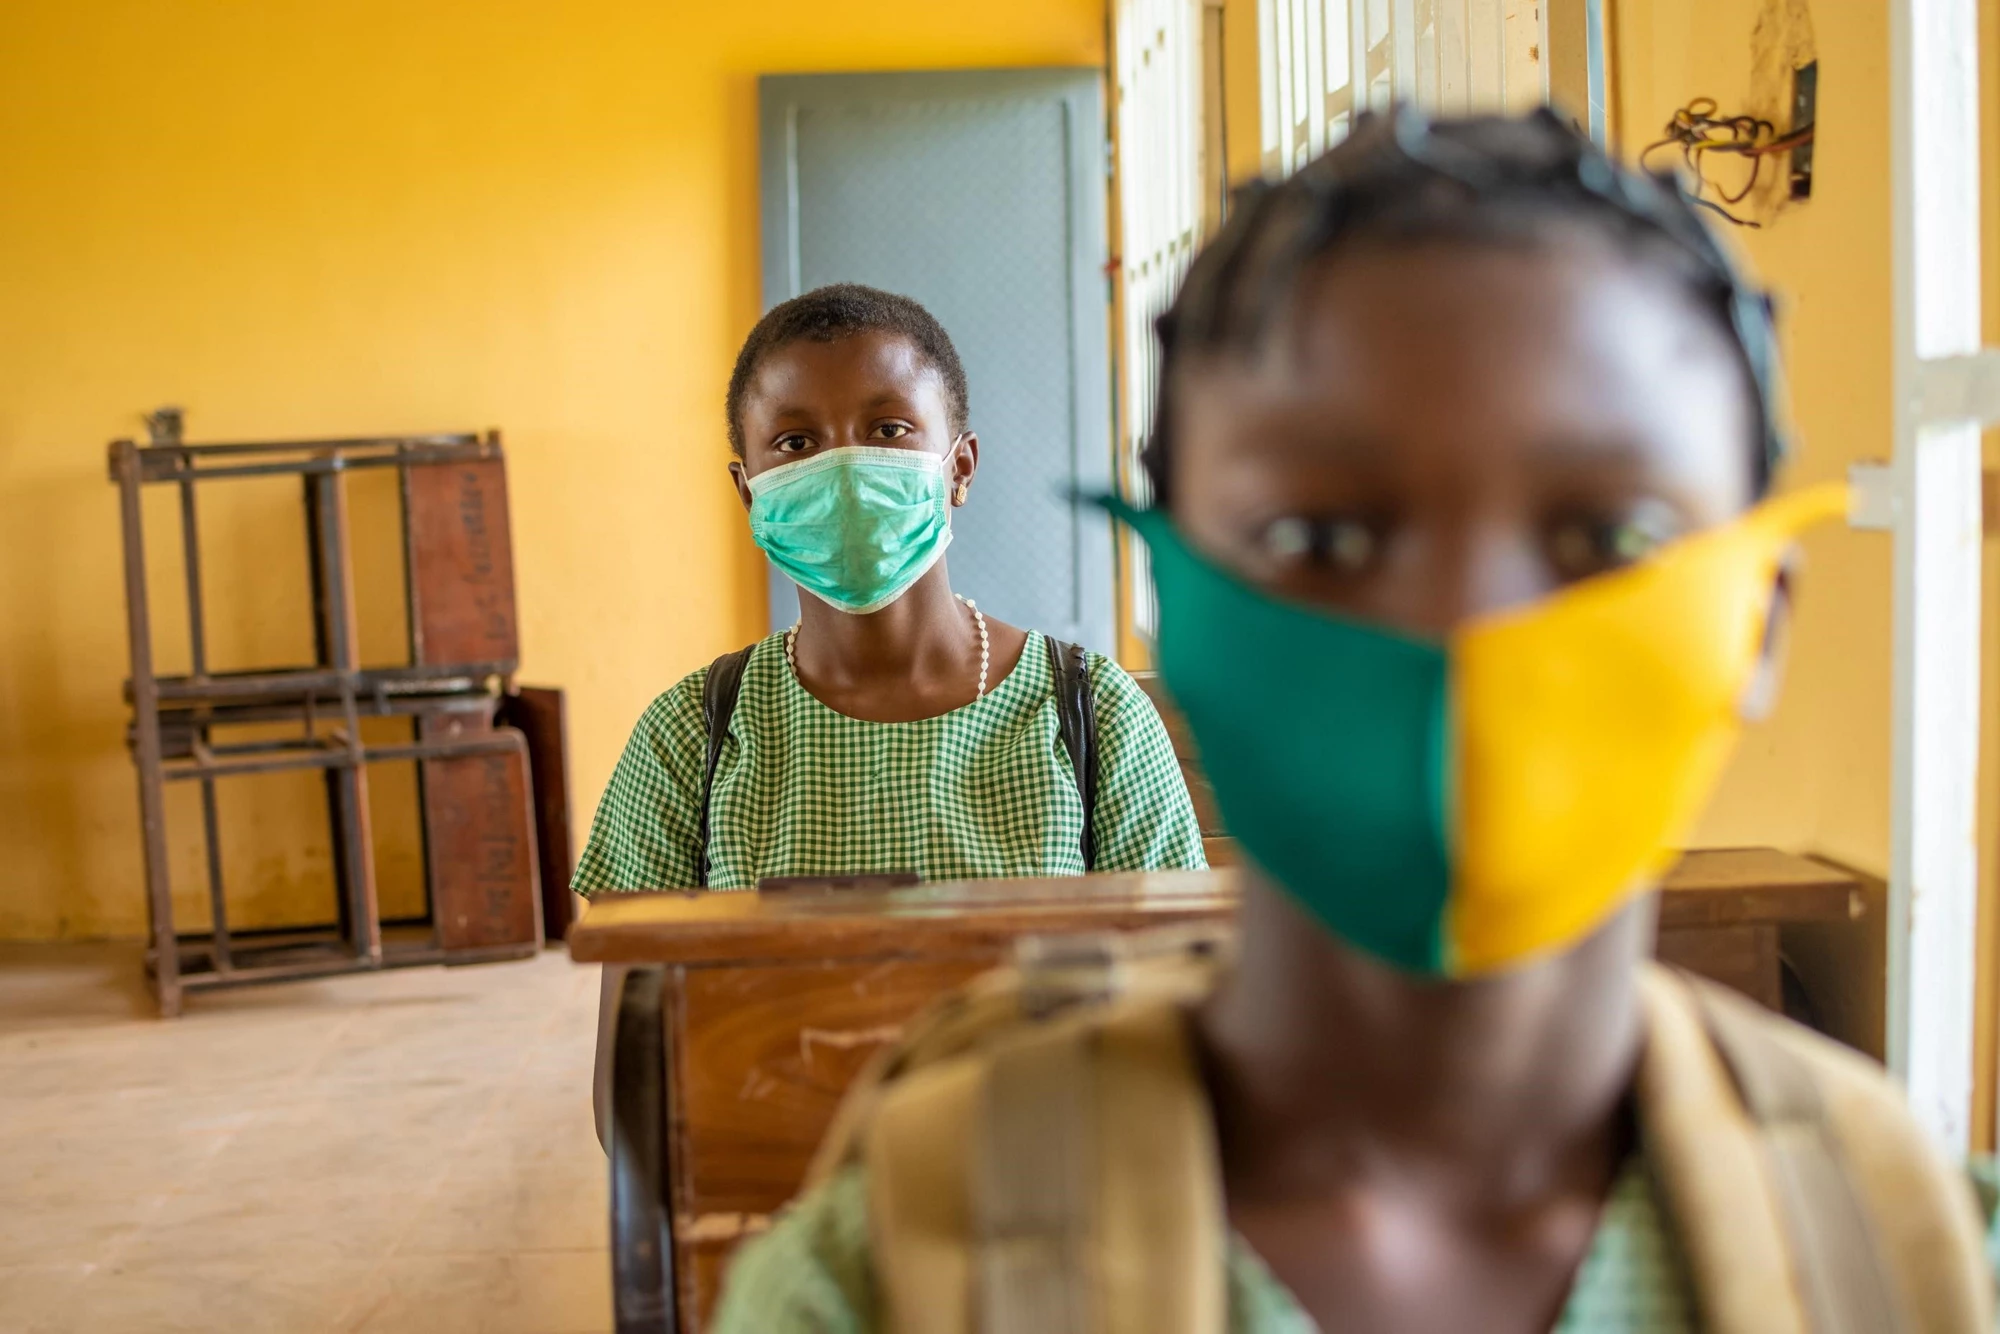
(1805, 108)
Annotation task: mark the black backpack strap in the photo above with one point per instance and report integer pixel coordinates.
(1076, 710)
(718, 706)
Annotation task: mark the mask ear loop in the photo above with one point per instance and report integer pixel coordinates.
(1778, 523)
(963, 487)
(1783, 518)
(1760, 695)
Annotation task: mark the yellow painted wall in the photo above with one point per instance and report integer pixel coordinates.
(301, 218)
(1817, 777)
(1243, 114)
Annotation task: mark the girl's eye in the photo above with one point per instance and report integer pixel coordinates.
(1342, 545)
(793, 444)
(1584, 545)
(891, 431)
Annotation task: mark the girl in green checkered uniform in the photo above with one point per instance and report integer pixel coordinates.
(895, 727)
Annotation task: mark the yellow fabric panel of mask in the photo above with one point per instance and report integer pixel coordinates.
(1591, 728)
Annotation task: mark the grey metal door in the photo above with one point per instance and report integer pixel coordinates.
(981, 194)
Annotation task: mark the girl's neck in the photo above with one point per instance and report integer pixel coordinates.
(1329, 1069)
(924, 635)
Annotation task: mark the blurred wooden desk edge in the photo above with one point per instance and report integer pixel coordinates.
(1709, 889)
(747, 1015)
(707, 929)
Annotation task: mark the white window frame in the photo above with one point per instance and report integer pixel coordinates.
(1946, 388)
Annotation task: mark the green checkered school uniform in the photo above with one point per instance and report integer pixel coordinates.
(811, 1274)
(983, 791)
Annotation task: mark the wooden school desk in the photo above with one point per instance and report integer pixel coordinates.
(746, 1015)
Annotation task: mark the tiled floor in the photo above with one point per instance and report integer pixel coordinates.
(405, 1151)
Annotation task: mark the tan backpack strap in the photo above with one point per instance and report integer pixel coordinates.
(1055, 1172)
(1049, 977)
(1923, 1266)
(1163, 1235)
(919, 1157)
(1050, 974)
(1805, 1196)
(1707, 1157)
(1833, 1245)
(1096, 1202)
(1033, 1197)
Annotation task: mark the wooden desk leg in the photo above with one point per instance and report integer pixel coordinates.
(1741, 957)
(642, 1241)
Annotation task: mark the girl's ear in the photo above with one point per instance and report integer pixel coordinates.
(960, 467)
(1760, 697)
(742, 481)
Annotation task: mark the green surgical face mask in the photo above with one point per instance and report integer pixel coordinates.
(854, 526)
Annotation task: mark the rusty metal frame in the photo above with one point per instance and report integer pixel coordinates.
(645, 1296)
(173, 717)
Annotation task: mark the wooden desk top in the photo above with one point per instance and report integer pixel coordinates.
(711, 928)
(1727, 887)
(1758, 886)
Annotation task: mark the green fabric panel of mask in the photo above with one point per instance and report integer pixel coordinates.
(1326, 742)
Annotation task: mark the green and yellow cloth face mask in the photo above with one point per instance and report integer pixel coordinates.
(1465, 807)
(854, 526)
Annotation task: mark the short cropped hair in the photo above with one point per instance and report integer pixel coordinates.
(841, 310)
(1487, 180)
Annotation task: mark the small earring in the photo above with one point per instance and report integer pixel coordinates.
(958, 496)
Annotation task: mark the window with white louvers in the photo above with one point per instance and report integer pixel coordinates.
(1161, 175)
(1320, 61)
(1324, 60)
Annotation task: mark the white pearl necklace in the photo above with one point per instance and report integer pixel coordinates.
(978, 619)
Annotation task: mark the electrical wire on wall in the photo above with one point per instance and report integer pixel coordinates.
(1699, 129)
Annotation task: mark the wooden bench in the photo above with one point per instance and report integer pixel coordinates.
(747, 1015)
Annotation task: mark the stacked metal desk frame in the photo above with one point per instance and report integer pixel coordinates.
(482, 876)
